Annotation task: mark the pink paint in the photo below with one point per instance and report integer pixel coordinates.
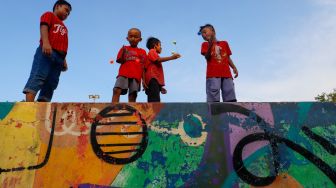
(237, 132)
(11, 182)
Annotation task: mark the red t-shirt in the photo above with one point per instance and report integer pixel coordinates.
(134, 62)
(58, 33)
(154, 69)
(218, 64)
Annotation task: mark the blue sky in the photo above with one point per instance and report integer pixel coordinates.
(283, 49)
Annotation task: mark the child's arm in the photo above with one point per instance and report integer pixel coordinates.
(172, 57)
(234, 68)
(207, 55)
(121, 55)
(46, 47)
(211, 41)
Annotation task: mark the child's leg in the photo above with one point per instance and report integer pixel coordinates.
(51, 83)
(120, 88)
(132, 97)
(133, 89)
(38, 74)
(116, 94)
(153, 91)
(213, 86)
(228, 90)
(30, 97)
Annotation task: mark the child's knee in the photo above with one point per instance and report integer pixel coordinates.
(132, 96)
(116, 91)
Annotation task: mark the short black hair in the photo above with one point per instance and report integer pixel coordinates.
(62, 2)
(151, 42)
(204, 26)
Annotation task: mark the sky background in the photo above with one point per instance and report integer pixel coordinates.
(284, 49)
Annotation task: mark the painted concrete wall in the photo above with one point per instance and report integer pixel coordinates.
(168, 145)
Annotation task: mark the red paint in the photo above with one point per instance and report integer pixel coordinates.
(99, 117)
(18, 125)
(82, 145)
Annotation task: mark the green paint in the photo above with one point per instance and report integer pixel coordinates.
(303, 110)
(180, 160)
(233, 177)
(5, 108)
(310, 176)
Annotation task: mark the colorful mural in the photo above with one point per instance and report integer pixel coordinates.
(168, 145)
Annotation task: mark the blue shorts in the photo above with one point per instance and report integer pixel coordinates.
(213, 87)
(44, 75)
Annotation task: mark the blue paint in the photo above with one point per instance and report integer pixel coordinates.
(5, 108)
(159, 158)
(172, 179)
(143, 165)
(193, 126)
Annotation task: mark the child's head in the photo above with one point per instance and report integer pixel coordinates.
(154, 43)
(134, 37)
(62, 9)
(208, 32)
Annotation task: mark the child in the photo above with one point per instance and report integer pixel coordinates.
(49, 59)
(132, 60)
(154, 78)
(218, 75)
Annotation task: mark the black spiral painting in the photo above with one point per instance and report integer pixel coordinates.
(113, 116)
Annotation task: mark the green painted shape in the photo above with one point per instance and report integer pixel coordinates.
(5, 108)
(233, 178)
(180, 160)
(309, 175)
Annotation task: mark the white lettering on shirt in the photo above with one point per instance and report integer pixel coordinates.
(60, 28)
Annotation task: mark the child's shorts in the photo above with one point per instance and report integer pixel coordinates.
(44, 75)
(213, 87)
(127, 84)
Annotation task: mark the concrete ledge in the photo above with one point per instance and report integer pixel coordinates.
(167, 144)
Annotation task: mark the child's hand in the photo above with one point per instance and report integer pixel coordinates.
(47, 49)
(175, 56)
(235, 71)
(65, 66)
(163, 90)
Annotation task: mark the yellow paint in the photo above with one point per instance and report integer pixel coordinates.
(20, 145)
(66, 168)
(24, 142)
(77, 163)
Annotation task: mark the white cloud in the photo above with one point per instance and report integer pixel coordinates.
(325, 2)
(307, 58)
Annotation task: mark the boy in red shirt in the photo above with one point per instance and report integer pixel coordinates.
(154, 77)
(218, 75)
(132, 60)
(49, 59)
